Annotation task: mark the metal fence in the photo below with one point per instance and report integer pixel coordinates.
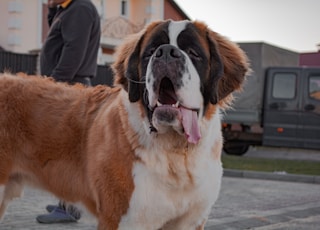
(104, 76)
(27, 63)
(14, 62)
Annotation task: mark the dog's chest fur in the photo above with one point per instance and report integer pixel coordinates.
(168, 184)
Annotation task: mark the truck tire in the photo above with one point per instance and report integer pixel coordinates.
(235, 148)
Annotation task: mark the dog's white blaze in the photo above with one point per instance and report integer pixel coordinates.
(158, 198)
(190, 95)
(175, 29)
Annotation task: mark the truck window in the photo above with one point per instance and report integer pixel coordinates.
(314, 87)
(284, 86)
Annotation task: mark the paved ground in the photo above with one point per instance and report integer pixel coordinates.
(264, 204)
(21, 214)
(243, 204)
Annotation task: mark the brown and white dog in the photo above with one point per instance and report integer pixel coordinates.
(145, 155)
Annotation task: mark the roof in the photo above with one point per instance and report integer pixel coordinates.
(178, 9)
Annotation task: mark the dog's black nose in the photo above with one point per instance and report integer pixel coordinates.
(168, 52)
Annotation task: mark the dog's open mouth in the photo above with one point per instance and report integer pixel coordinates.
(169, 110)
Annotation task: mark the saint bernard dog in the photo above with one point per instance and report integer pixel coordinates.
(142, 155)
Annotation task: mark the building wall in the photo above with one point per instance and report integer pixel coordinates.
(111, 8)
(310, 59)
(44, 20)
(139, 11)
(171, 13)
(4, 18)
(24, 26)
(157, 10)
(20, 25)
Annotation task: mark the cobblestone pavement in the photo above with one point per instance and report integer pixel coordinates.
(263, 204)
(243, 204)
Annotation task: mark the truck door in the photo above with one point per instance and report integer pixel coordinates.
(310, 109)
(281, 102)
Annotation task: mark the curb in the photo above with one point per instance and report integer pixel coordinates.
(272, 176)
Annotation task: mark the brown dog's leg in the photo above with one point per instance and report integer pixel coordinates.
(13, 188)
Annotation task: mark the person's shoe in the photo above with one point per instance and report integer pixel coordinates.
(74, 211)
(57, 215)
(51, 207)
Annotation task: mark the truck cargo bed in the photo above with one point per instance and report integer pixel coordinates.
(248, 103)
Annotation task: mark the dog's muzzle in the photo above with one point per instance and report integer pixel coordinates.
(166, 79)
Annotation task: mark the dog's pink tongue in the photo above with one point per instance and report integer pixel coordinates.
(190, 125)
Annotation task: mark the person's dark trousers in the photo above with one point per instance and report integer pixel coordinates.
(86, 80)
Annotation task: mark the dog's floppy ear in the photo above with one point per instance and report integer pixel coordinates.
(133, 75)
(216, 70)
(126, 66)
(127, 63)
(229, 64)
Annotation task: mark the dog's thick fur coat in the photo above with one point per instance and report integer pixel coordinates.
(94, 145)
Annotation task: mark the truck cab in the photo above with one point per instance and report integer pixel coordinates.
(291, 108)
(289, 116)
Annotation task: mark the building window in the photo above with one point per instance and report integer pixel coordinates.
(124, 8)
(284, 86)
(14, 23)
(14, 40)
(15, 7)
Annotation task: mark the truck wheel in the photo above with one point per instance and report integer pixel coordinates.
(237, 149)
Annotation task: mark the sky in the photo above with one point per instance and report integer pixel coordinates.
(289, 24)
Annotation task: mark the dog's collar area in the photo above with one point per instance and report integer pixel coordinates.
(142, 81)
(152, 129)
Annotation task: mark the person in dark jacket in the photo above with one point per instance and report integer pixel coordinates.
(69, 54)
(70, 51)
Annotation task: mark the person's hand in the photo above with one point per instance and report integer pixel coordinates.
(54, 3)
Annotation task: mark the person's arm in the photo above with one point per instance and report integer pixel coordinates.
(76, 31)
(52, 12)
(53, 8)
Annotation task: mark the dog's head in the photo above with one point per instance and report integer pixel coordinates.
(178, 70)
